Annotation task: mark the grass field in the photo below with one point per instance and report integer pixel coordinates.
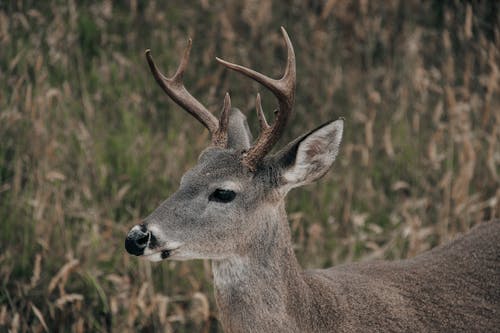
(89, 144)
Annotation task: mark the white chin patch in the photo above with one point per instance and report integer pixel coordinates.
(153, 257)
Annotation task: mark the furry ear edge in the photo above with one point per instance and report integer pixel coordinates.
(311, 156)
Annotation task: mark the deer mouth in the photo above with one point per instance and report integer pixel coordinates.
(165, 254)
(158, 254)
(142, 241)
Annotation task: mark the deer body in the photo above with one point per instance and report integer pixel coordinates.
(452, 288)
(230, 208)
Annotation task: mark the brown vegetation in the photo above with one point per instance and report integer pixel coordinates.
(89, 144)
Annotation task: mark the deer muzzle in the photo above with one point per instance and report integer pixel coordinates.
(137, 240)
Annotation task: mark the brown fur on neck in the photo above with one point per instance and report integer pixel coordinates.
(455, 287)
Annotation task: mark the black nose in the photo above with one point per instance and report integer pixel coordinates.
(137, 240)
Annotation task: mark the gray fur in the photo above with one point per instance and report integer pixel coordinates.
(239, 135)
(259, 285)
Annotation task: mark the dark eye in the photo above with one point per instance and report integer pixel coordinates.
(220, 195)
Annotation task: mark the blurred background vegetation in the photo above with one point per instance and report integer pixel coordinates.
(89, 144)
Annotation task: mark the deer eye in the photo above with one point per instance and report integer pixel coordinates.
(220, 195)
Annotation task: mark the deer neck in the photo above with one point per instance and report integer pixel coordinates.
(263, 285)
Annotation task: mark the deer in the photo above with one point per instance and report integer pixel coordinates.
(230, 209)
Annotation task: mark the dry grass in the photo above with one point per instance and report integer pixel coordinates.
(89, 144)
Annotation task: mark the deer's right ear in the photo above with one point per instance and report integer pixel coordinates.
(238, 132)
(310, 156)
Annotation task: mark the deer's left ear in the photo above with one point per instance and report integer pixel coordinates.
(238, 132)
(310, 156)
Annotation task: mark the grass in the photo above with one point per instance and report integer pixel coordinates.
(90, 145)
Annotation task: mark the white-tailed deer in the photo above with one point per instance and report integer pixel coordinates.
(230, 208)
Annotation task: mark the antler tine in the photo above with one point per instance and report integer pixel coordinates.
(284, 90)
(220, 137)
(260, 114)
(174, 87)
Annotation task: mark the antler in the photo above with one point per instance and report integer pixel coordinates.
(174, 87)
(220, 136)
(284, 90)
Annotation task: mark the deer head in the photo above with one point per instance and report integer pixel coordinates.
(218, 210)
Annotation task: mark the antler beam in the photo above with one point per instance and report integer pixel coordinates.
(175, 89)
(284, 90)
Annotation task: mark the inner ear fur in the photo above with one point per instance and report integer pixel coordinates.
(310, 156)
